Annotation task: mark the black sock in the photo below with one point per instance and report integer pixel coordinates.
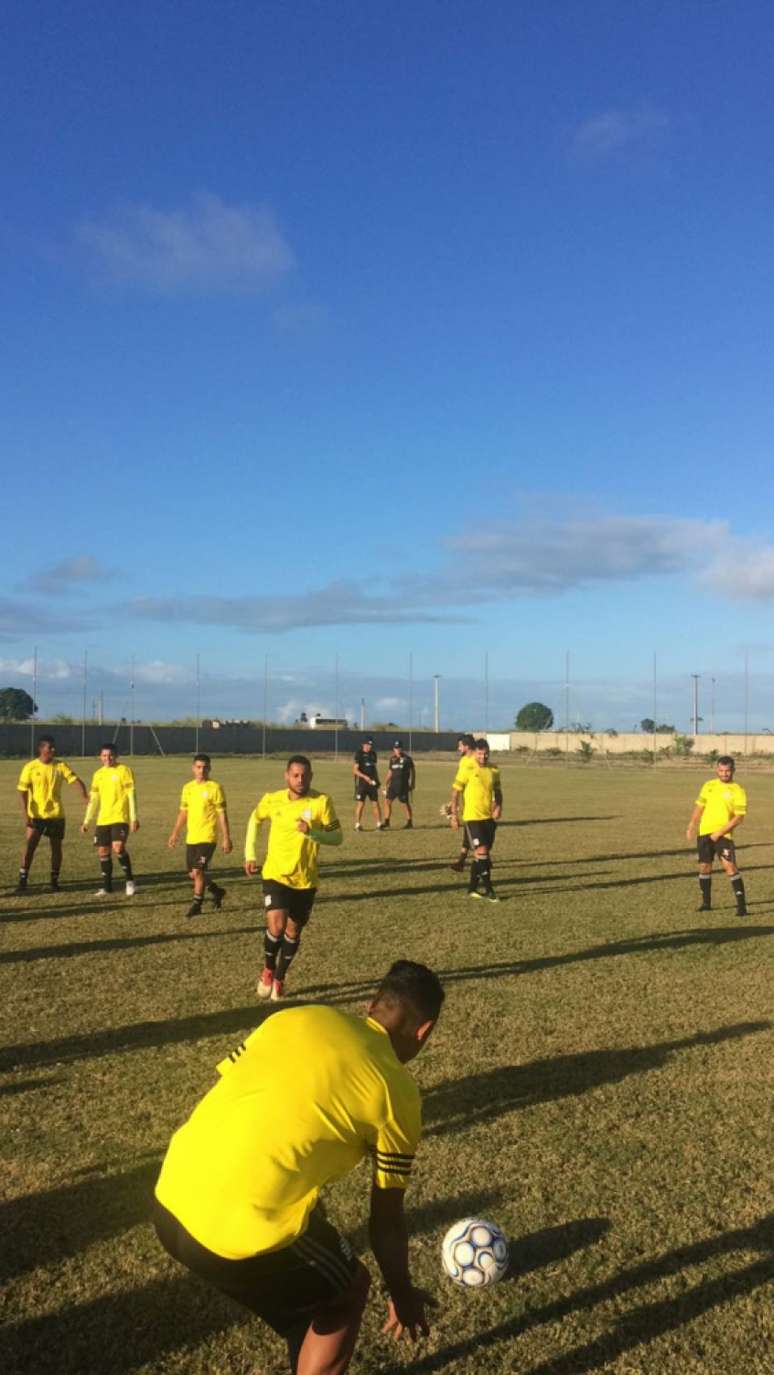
(473, 879)
(54, 875)
(737, 883)
(705, 884)
(485, 871)
(287, 954)
(126, 864)
(198, 899)
(106, 869)
(212, 885)
(23, 874)
(271, 946)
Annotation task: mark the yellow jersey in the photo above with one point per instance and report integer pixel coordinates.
(291, 857)
(202, 802)
(478, 787)
(112, 792)
(721, 803)
(43, 785)
(300, 1103)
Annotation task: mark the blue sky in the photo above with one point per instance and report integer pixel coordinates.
(365, 330)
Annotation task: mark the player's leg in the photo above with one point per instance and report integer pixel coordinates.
(359, 805)
(299, 908)
(31, 842)
(105, 856)
(331, 1337)
(459, 866)
(377, 808)
(56, 836)
(122, 855)
(705, 851)
(387, 808)
(276, 921)
(409, 812)
(727, 856)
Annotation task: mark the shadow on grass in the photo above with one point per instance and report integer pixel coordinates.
(63, 952)
(681, 876)
(459, 1104)
(636, 1326)
(235, 1021)
(26, 1086)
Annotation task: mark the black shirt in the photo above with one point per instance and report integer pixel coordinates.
(366, 763)
(401, 767)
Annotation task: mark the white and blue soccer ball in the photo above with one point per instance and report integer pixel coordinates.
(475, 1253)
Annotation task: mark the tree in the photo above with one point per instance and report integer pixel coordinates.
(16, 705)
(535, 716)
(648, 725)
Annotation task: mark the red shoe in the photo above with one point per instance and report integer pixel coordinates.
(263, 986)
(276, 991)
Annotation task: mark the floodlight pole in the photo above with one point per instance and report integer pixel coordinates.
(34, 698)
(712, 706)
(437, 700)
(131, 712)
(655, 703)
(83, 707)
(486, 694)
(410, 700)
(336, 713)
(746, 696)
(265, 703)
(198, 705)
(567, 705)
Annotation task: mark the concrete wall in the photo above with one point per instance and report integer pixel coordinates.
(637, 740)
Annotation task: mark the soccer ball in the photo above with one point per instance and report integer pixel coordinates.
(474, 1253)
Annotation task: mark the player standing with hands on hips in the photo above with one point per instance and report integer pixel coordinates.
(301, 821)
(720, 807)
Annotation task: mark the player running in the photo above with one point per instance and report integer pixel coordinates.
(400, 785)
(482, 806)
(720, 807)
(466, 749)
(40, 789)
(366, 783)
(301, 821)
(112, 796)
(299, 1104)
(202, 812)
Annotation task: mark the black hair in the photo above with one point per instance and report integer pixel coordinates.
(299, 759)
(482, 744)
(46, 740)
(413, 985)
(203, 758)
(109, 746)
(467, 740)
(726, 759)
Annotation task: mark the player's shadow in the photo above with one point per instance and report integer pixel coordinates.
(552, 820)
(616, 883)
(634, 1326)
(64, 952)
(459, 1104)
(45, 1228)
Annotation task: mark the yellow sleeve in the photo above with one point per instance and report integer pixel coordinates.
(67, 773)
(396, 1145)
(740, 807)
(220, 799)
(251, 839)
(326, 830)
(459, 781)
(496, 779)
(184, 799)
(702, 799)
(23, 786)
(93, 802)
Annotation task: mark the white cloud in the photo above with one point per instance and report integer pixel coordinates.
(67, 576)
(53, 670)
(389, 703)
(210, 246)
(157, 671)
(608, 133)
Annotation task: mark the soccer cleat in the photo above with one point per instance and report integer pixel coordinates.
(131, 888)
(103, 892)
(218, 895)
(54, 885)
(741, 909)
(490, 895)
(383, 826)
(195, 910)
(474, 893)
(358, 827)
(263, 986)
(409, 826)
(21, 889)
(704, 907)
(276, 994)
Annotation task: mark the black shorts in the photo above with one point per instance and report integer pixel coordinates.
(107, 835)
(397, 792)
(366, 792)
(280, 1286)
(199, 856)
(709, 849)
(297, 902)
(480, 833)
(53, 827)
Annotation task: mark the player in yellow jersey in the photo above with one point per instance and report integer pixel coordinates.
(720, 807)
(466, 749)
(301, 821)
(112, 798)
(482, 804)
(306, 1098)
(202, 811)
(40, 789)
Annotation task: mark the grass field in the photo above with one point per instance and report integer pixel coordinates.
(600, 1081)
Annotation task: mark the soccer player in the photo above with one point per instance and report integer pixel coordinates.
(301, 821)
(112, 797)
(39, 789)
(202, 811)
(400, 784)
(466, 749)
(482, 806)
(366, 783)
(299, 1104)
(720, 807)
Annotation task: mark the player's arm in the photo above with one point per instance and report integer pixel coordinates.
(326, 830)
(71, 777)
(412, 777)
(457, 791)
(389, 1242)
(251, 842)
(225, 831)
(182, 818)
(730, 826)
(131, 797)
(92, 807)
(23, 794)
(694, 821)
(497, 810)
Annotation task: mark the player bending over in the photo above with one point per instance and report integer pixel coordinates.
(300, 1103)
(482, 804)
(113, 798)
(40, 797)
(720, 807)
(301, 821)
(202, 811)
(466, 749)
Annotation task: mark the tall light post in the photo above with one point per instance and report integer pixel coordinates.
(695, 677)
(437, 700)
(712, 706)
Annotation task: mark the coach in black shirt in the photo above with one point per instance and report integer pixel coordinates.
(400, 784)
(366, 783)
